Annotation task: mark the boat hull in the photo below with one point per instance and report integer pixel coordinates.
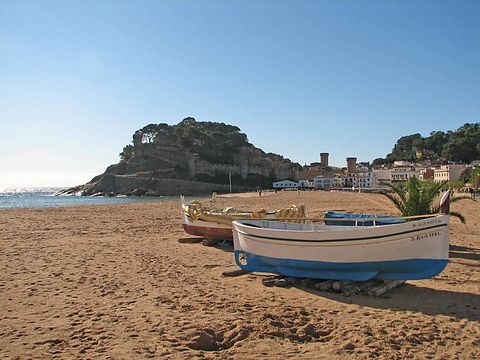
(207, 229)
(209, 232)
(413, 269)
(219, 226)
(408, 251)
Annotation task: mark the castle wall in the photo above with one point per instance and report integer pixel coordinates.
(132, 185)
(190, 162)
(204, 167)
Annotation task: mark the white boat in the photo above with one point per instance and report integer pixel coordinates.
(399, 251)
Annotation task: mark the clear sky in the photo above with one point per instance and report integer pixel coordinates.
(77, 78)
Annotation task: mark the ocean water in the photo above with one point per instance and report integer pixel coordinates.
(45, 197)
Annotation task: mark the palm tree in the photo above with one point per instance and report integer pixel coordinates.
(416, 197)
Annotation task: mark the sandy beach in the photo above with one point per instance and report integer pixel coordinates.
(113, 282)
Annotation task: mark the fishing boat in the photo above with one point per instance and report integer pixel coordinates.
(214, 223)
(405, 250)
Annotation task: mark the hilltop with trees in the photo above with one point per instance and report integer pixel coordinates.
(461, 145)
(191, 157)
(212, 141)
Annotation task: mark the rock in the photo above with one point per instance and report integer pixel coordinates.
(282, 283)
(324, 286)
(165, 161)
(269, 281)
(308, 283)
(136, 192)
(382, 288)
(358, 286)
(337, 285)
(293, 281)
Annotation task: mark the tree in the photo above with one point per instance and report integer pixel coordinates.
(379, 161)
(126, 153)
(405, 147)
(462, 145)
(435, 142)
(416, 197)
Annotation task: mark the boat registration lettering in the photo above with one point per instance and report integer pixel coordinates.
(427, 223)
(426, 235)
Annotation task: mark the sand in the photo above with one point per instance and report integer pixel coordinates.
(114, 282)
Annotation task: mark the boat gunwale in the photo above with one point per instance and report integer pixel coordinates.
(338, 231)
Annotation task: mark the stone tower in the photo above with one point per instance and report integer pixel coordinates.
(351, 165)
(324, 160)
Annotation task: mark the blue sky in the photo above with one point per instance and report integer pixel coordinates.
(77, 78)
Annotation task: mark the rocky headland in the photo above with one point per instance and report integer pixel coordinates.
(190, 158)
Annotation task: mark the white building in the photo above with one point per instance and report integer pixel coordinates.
(306, 184)
(359, 180)
(451, 172)
(366, 180)
(285, 184)
(321, 182)
(349, 180)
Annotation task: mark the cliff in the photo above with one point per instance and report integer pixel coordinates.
(189, 158)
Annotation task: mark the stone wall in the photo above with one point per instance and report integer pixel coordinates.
(190, 162)
(133, 185)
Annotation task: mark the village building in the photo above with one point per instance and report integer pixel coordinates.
(306, 184)
(450, 172)
(327, 182)
(403, 170)
(382, 176)
(285, 184)
(426, 174)
(366, 180)
(360, 176)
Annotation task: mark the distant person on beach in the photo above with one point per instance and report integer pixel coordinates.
(260, 193)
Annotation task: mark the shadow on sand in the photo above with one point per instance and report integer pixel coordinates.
(464, 252)
(409, 297)
(223, 245)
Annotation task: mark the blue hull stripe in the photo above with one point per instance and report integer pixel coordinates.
(412, 269)
(337, 240)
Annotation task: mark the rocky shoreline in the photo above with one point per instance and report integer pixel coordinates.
(136, 185)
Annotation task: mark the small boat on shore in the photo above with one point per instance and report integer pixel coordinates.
(404, 250)
(216, 223)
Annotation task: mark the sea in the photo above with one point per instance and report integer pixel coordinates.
(45, 197)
